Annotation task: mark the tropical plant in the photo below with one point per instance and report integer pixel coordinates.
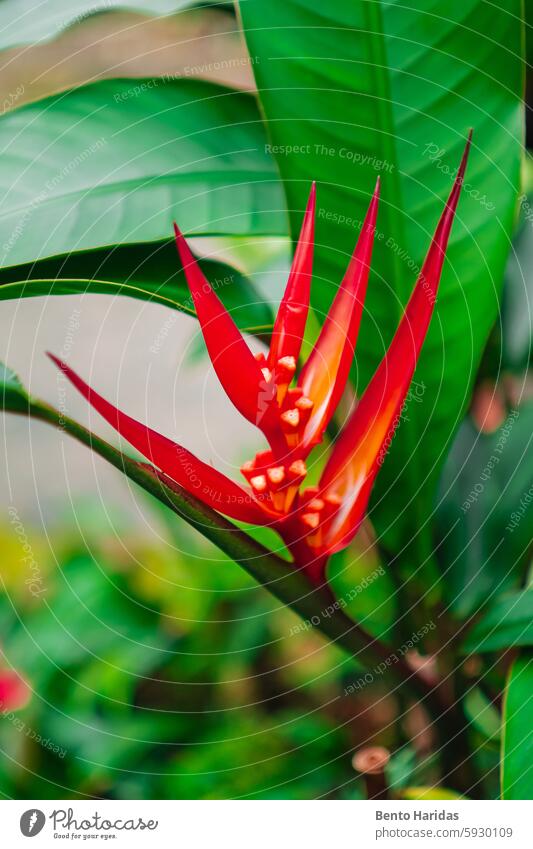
(91, 181)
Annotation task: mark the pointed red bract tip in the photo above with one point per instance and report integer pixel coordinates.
(362, 445)
(289, 326)
(203, 481)
(235, 365)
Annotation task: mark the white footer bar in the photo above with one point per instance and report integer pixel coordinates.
(267, 824)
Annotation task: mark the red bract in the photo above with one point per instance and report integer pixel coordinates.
(293, 410)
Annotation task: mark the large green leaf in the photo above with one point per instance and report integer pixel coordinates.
(481, 547)
(507, 623)
(150, 271)
(111, 163)
(355, 89)
(517, 743)
(27, 21)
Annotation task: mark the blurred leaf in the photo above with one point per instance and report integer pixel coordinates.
(25, 21)
(347, 96)
(482, 714)
(102, 165)
(507, 623)
(149, 271)
(199, 43)
(484, 527)
(256, 757)
(307, 663)
(517, 331)
(14, 396)
(430, 794)
(487, 761)
(244, 761)
(529, 34)
(517, 740)
(406, 768)
(103, 746)
(401, 767)
(364, 588)
(25, 564)
(87, 651)
(87, 617)
(168, 581)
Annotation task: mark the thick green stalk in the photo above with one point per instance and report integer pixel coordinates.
(276, 574)
(315, 605)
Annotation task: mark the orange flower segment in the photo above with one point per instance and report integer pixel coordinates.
(293, 407)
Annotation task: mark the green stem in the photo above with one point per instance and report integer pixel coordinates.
(278, 576)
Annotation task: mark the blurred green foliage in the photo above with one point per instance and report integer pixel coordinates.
(161, 674)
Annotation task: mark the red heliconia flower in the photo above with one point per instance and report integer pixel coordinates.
(293, 410)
